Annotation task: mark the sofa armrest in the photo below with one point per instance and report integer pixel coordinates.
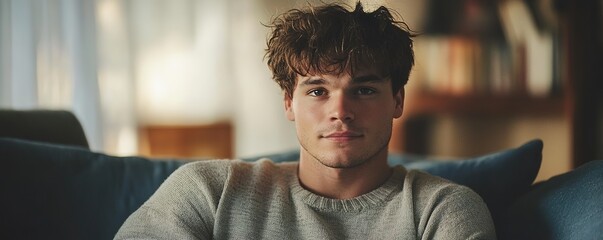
(568, 206)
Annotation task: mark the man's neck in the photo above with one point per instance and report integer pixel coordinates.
(343, 183)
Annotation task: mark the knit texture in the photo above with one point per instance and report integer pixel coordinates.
(263, 200)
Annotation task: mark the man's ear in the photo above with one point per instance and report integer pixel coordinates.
(288, 109)
(399, 103)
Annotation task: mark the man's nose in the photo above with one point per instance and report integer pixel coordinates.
(341, 108)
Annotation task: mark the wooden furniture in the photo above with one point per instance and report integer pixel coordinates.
(198, 141)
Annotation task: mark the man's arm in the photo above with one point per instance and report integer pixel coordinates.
(460, 214)
(183, 207)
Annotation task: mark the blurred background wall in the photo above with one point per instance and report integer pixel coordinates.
(187, 78)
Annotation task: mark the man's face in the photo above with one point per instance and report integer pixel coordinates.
(343, 121)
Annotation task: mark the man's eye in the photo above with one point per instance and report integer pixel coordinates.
(316, 92)
(365, 91)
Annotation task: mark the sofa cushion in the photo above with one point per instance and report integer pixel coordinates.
(63, 192)
(567, 206)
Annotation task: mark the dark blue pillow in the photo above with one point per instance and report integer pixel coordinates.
(60, 192)
(567, 206)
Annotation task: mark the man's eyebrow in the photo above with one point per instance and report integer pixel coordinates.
(312, 81)
(368, 78)
(361, 79)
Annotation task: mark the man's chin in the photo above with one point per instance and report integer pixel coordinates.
(341, 157)
(342, 163)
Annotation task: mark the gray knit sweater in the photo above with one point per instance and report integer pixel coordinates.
(237, 200)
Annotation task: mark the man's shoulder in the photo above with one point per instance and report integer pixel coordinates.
(425, 185)
(457, 208)
(222, 169)
(205, 168)
(236, 163)
(426, 179)
(263, 171)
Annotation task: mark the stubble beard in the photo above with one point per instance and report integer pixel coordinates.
(351, 163)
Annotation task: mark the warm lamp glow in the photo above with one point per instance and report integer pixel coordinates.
(182, 72)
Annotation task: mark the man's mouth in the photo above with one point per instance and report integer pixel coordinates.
(342, 136)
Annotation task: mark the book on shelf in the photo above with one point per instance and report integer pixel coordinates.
(522, 60)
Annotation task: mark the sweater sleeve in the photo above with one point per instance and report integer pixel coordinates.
(183, 207)
(459, 214)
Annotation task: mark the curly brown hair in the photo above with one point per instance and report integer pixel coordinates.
(331, 39)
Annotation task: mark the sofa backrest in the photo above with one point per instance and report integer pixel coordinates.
(53, 126)
(52, 191)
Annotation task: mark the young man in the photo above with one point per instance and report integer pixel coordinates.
(342, 73)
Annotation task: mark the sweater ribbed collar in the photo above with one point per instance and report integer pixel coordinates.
(366, 201)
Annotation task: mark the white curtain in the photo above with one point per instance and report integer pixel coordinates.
(119, 64)
(48, 51)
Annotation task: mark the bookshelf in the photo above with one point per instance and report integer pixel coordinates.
(505, 67)
(426, 103)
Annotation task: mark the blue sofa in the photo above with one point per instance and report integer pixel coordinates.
(59, 189)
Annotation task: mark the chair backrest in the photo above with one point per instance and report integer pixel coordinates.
(52, 126)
